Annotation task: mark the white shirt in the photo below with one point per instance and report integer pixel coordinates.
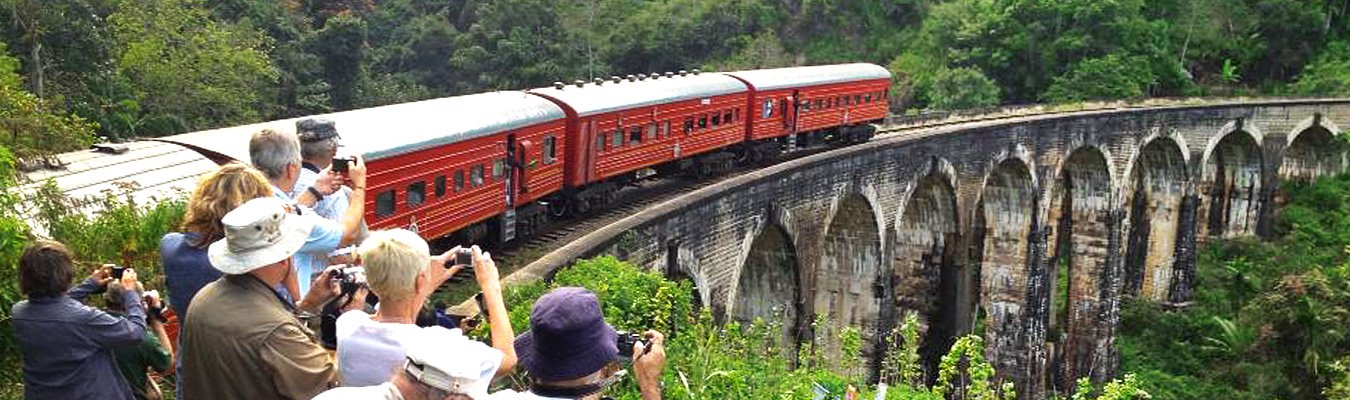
(385, 391)
(368, 351)
(331, 206)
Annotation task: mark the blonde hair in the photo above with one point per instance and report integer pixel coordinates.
(219, 192)
(393, 259)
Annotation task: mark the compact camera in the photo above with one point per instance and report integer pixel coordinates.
(462, 257)
(340, 164)
(351, 278)
(625, 342)
(118, 271)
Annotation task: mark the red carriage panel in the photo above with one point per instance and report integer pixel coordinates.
(801, 99)
(441, 165)
(619, 127)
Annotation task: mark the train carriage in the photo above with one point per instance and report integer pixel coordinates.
(839, 100)
(619, 127)
(439, 166)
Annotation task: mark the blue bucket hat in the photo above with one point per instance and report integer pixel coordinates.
(568, 336)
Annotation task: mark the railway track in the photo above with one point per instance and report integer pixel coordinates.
(651, 192)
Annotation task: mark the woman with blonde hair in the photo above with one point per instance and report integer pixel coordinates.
(183, 254)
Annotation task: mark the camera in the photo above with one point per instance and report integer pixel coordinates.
(462, 257)
(118, 271)
(340, 164)
(625, 342)
(350, 278)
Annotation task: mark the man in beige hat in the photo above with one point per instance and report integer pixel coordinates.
(243, 341)
(441, 364)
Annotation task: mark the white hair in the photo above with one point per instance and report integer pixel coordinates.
(272, 152)
(393, 259)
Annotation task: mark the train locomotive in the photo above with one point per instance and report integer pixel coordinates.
(498, 165)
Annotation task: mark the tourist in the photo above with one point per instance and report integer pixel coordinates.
(183, 254)
(319, 142)
(153, 352)
(441, 364)
(242, 340)
(277, 155)
(67, 346)
(571, 353)
(401, 272)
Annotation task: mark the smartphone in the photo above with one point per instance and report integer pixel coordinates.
(118, 271)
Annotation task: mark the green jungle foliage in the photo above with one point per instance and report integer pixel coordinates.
(752, 360)
(1269, 319)
(127, 69)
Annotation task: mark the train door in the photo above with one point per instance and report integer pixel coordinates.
(590, 147)
(508, 222)
(790, 115)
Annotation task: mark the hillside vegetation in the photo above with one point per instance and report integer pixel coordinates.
(71, 69)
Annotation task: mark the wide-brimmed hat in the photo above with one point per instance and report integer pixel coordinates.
(446, 360)
(258, 233)
(568, 336)
(315, 129)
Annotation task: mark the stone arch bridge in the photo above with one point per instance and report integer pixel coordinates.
(1031, 230)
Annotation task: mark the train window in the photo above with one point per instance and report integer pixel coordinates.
(665, 129)
(651, 132)
(635, 134)
(618, 138)
(498, 168)
(459, 180)
(727, 117)
(703, 122)
(688, 124)
(600, 141)
(738, 113)
(717, 119)
(806, 106)
(868, 98)
(768, 108)
(440, 186)
(857, 99)
(417, 193)
(476, 175)
(550, 151)
(384, 203)
(846, 100)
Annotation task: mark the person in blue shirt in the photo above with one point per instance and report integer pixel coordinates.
(277, 155)
(66, 345)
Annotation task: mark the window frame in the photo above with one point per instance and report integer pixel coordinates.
(498, 169)
(420, 189)
(550, 150)
(476, 177)
(459, 180)
(440, 186)
(385, 204)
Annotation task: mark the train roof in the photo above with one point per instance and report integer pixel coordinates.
(387, 131)
(608, 96)
(781, 78)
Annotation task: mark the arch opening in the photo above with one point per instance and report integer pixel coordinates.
(847, 286)
(768, 285)
(1080, 211)
(1157, 186)
(924, 266)
(1002, 229)
(1314, 153)
(1232, 186)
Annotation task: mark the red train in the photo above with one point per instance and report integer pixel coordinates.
(490, 164)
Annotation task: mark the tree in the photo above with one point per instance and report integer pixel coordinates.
(30, 126)
(341, 45)
(1104, 78)
(1327, 75)
(962, 88)
(183, 65)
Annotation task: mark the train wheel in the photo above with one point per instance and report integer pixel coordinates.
(558, 208)
(580, 206)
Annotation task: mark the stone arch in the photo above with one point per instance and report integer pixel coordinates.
(924, 263)
(1081, 218)
(1001, 230)
(768, 285)
(1231, 183)
(1155, 190)
(847, 285)
(1312, 151)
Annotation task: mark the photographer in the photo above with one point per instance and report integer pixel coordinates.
(441, 365)
(571, 353)
(277, 155)
(151, 353)
(243, 340)
(401, 272)
(66, 345)
(319, 142)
